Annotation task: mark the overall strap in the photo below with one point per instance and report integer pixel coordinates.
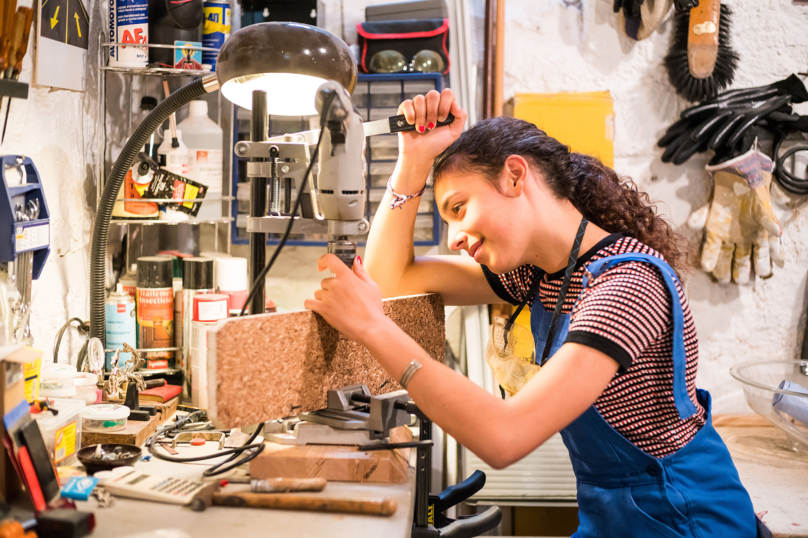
(684, 405)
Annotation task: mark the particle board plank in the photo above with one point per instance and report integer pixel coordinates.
(135, 433)
(335, 463)
(271, 366)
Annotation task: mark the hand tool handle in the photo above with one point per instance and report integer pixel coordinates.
(26, 32)
(374, 507)
(16, 41)
(398, 124)
(9, 9)
(154, 383)
(31, 481)
(702, 38)
(283, 485)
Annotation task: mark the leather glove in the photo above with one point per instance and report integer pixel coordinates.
(723, 123)
(631, 8)
(741, 226)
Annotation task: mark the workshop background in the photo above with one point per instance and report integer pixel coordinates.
(551, 46)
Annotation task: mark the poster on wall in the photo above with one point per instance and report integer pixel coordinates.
(62, 44)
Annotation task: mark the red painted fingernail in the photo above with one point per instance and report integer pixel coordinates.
(431, 125)
(421, 129)
(359, 259)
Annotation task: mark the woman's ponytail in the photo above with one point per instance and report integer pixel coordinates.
(603, 197)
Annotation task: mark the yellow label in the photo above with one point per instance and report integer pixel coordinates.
(190, 193)
(65, 444)
(430, 518)
(31, 375)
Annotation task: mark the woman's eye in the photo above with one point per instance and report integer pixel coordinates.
(456, 208)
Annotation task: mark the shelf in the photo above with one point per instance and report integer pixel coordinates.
(149, 222)
(13, 88)
(150, 373)
(155, 71)
(176, 200)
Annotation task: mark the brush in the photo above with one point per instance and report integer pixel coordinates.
(700, 61)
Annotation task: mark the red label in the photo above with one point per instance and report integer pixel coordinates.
(121, 308)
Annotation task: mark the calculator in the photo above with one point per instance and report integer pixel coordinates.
(136, 484)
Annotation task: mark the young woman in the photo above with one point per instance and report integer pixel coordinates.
(563, 234)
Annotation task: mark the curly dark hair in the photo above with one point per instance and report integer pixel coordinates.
(604, 198)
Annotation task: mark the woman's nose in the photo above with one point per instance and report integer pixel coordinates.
(457, 238)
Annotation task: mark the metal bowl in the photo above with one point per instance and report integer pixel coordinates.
(787, 409)
(125, 455)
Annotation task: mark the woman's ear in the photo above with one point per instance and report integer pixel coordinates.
(515, 174)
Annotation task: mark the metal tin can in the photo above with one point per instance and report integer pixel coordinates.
(121, 326)
(155, 307)
(129, 23)
(216, 29)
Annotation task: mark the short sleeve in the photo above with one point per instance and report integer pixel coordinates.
(623, 312)
(512, 287)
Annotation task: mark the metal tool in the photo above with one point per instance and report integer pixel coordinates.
(396, 124)
(353, 417)
(210, 495)
(281, 485)
(188, 437)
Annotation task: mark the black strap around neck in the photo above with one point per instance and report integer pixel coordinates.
(562, 295)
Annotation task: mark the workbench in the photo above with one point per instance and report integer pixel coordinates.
(129, 517)
(775, 476)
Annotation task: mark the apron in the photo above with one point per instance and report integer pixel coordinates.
(624, 492)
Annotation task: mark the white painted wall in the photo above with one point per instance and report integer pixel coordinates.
(58, 130)
(553, 46)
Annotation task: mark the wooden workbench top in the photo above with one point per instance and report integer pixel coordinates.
(775, 476)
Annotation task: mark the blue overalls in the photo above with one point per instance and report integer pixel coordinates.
(624, 492)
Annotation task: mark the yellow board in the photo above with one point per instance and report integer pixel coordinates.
(583, 121)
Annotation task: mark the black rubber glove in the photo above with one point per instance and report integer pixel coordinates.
(631, 8)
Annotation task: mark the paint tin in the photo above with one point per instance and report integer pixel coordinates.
(215, 31)
(121, 325)
(155, 306)
(129, 23)
(208, 309)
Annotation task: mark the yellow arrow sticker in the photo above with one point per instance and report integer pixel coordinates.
(54, 21)
(77, 23)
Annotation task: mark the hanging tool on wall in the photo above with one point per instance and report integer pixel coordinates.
(17, 50)
(701, 61)
(640, 18)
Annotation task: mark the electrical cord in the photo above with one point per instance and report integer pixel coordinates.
(787, 180)
(329, 99)
(217, 469)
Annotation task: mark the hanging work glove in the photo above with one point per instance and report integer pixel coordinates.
(741, 225)
(721, 123)
(631, 8)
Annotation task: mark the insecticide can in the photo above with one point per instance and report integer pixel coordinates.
(216, 29)
(129, 23)
(155, 306)
(121, 325)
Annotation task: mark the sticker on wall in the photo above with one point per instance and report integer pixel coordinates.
(62, 43)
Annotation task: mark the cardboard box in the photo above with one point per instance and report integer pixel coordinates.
(12, 392)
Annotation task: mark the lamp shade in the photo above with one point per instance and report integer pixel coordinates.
(287, 60)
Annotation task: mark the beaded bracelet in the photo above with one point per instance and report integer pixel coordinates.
(400, 199)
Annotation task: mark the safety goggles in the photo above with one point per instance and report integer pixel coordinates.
(392, 61)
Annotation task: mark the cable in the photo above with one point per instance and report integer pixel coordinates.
(82, 328)
(329, 99)
(787, 180)
(217, 469)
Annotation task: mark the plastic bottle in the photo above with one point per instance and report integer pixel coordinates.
(147, 104)
(204, 139)
(176, 161)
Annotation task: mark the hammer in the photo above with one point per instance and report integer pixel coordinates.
(210, 496)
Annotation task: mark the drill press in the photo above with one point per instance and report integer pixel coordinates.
(332, 204)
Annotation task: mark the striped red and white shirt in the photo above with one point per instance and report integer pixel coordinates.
(626, 314)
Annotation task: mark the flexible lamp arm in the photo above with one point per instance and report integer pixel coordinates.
(134, 145)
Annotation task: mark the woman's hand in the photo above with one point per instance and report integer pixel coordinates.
(350, 302)
(420, 147)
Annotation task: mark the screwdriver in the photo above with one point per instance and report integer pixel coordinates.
(23, 22)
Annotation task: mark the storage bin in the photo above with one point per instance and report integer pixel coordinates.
(86, 387)
(61, 432)
(105, 417)
(56, 376)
